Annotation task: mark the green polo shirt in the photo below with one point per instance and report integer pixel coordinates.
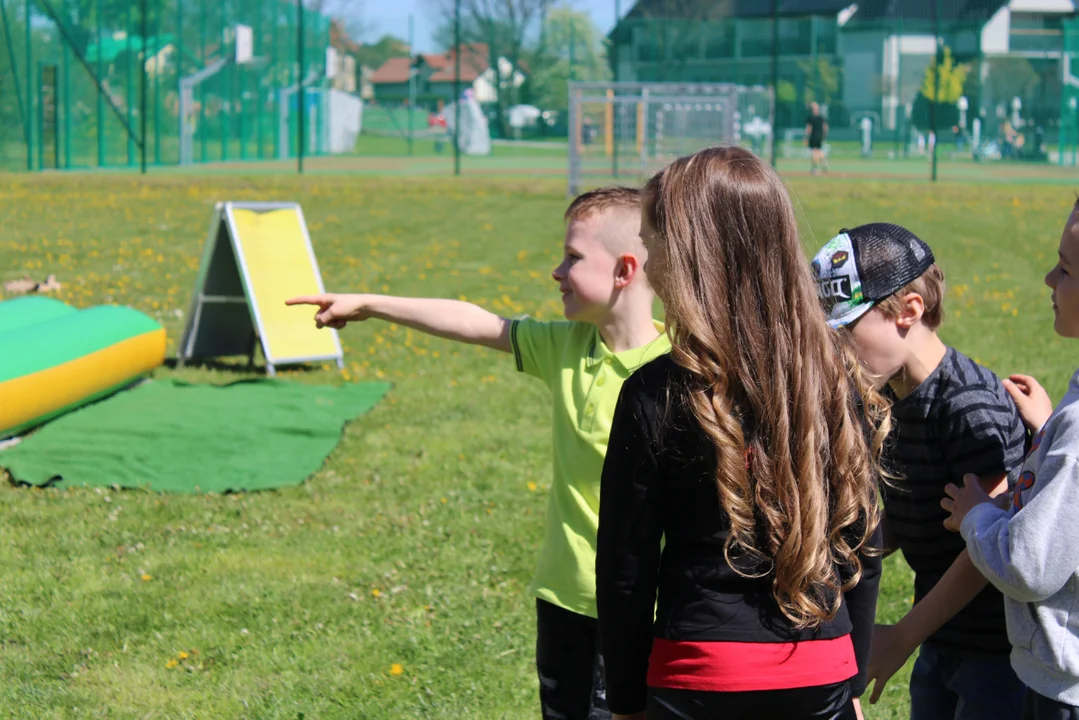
(585, 378)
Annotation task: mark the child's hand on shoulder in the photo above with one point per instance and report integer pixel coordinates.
(961, 501)
(334, 310)
(1030, 397)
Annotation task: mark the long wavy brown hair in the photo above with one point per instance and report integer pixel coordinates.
(800, 486)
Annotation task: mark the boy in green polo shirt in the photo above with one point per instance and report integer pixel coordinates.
(608, 333)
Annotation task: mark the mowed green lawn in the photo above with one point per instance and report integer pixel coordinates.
(391, 584)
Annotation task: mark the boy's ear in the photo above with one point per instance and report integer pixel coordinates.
(628, 267)
(911, 309)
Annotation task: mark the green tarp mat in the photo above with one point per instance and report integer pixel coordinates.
(177, 437)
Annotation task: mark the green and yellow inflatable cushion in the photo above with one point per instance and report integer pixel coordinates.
(54, 358)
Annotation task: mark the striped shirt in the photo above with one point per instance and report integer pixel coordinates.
(959, 420)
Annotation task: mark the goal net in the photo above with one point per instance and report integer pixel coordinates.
(627, 131)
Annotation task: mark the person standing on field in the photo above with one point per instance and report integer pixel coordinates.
(816, 132)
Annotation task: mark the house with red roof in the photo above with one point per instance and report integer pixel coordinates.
(390, 81)
(435, 73)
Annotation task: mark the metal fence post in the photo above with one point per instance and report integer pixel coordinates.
(30, 91)
(301, 101)
(130, 80)
(142, 95)
(457, 88)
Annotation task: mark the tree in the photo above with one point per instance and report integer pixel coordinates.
(505, 27)
(952, 77)
(571, 48)
(949, 90)
(80, 17)
(372, 55)
(822, 79)
(443, 33)
(1010, 77)
(351, 14)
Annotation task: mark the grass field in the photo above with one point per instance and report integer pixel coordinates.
(391, 584)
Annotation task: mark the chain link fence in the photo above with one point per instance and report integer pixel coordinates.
(88, 83)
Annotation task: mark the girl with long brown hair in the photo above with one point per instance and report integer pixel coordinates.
(741, 473)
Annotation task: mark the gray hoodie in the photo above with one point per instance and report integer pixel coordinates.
(1031, 553)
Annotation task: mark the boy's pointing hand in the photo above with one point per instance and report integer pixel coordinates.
(334, 310)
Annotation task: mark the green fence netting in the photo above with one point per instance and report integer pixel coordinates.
(81, 80)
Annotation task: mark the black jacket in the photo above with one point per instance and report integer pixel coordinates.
(659, 486)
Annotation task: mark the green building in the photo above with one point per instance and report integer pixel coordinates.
(858, 59)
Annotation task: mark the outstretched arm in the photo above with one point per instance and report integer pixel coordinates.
(450, 319)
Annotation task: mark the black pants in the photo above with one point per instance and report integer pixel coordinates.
(1039, 707)
(824, 702)
(569, 664)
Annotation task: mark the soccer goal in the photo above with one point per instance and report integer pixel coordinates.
(626, 131)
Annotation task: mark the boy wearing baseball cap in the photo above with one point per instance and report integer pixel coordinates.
(881, 284)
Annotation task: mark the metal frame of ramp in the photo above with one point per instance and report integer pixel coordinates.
(256, 256)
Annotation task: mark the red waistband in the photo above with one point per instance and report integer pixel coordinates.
(747, 666)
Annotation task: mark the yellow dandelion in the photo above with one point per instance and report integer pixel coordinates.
(396, 669)
(182, 655)
(147, 578)
(171, 663)
(376, 592)
(532, 486)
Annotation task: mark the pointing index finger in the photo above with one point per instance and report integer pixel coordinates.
(308, 300)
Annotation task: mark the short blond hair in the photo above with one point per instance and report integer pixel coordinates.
(930, 287)
(620, 230)
(596, 201)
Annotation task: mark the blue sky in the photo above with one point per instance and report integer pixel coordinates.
(391, 16)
